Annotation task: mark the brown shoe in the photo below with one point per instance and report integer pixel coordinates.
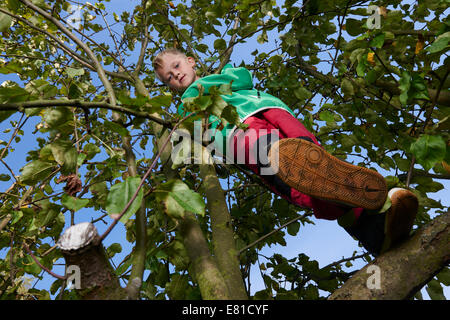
(309, 169)
(399, 217)
(378, 232)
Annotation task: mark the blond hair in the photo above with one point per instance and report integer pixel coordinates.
(157, 61)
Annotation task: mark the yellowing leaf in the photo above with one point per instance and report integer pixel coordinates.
(370, 58)
(446, 166)
(419, 44)
(382, 11)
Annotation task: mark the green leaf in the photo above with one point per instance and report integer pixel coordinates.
(435, 291)
(347, 87)
(74, 91)
(220, 44)
(178, 286)
(418, 88)
(113, 249)
(115, 127)
(13, 94)
(371, 76)
(281, 207)
(262, 38)
(17, 216)
(163, 100)
(5, 115)
(190, 201)
(91, 150)
(29, 265)
(444, 276)
(120, 194)
(4, 177)
(293, 228)
(178, 198)
(49, 213)
(326, 115)
(440, 43)
(354, 27)
(404, 85)
(429, 150)
(80, 158)
(5, 22)
(378, 41)
(302, 93)
(72, 203)
(72, 72)
(56, 117)
(13, 5)
(361, 67)
(171, 207)
(230, 114)
(65, 154)
(35, 171)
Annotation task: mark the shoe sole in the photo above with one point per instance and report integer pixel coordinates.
(309, 169)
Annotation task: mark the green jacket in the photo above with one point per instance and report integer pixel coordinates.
(248, 101)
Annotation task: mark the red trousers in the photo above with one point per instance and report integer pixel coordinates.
(281, 123)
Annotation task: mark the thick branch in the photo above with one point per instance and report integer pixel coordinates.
(207, 274)
(443, 98)
(222, 232)
(94, 276)
(404, 270)
(19, 106)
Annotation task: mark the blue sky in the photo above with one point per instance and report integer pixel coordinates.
(324, 241)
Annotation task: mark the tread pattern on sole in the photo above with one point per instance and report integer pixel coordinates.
(308, 168)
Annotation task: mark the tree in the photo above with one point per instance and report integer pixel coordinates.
(370, 79)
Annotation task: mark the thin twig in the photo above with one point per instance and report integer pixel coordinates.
(42, 266)
(273, 231)
(339, 36)
(227, 53)
(14, 134)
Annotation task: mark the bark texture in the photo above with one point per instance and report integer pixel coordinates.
(207, 275)
(98, 281)
(222, 233)
(405, 269)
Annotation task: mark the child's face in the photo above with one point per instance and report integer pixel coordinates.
(177, 71)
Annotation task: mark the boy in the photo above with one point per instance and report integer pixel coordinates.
(306, 175)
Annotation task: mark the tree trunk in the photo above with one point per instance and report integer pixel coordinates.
(94, 278)
(206, 272)
(401, 272)
(222, 233)
(207, 275)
